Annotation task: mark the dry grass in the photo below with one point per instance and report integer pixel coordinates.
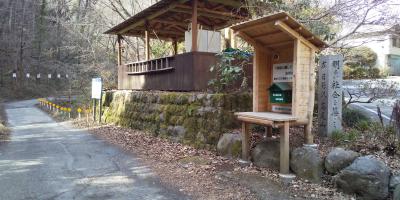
(4, 131)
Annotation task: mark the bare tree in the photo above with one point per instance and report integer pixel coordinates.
(368, 91)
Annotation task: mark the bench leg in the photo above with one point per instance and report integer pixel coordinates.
(245, 141)
(308, 136)
(284, 149)
(268, 131)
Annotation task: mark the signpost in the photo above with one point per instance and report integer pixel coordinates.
(330, 79)
(96, 94)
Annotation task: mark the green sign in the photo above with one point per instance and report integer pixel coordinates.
(280, 93)
(281, 97)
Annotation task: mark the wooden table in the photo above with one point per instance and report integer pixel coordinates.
(269, 119)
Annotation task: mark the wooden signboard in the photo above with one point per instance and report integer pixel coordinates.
(284, 54)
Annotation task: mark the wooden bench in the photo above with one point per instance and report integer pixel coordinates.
(271, 120)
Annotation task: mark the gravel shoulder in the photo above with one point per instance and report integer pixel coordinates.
(201, 174)
(4, 130)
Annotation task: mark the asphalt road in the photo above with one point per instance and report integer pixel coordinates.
(370, 109)
(49, 160)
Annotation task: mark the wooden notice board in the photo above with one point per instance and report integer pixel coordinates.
(284, 66)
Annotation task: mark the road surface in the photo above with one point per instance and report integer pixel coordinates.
(370, 109)
(49, 160)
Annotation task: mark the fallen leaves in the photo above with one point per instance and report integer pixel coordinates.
(196, 172)
(190, 170)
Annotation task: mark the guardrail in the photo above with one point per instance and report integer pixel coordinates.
(53, 107)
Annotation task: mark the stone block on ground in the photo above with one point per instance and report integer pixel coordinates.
(366, 177)
(307, 163)
(176, 133)
(266, 154)
(230, 145)
(394, 182)
(338, 159)
(396, 193)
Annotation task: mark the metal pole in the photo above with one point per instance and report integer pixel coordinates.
(94, 109)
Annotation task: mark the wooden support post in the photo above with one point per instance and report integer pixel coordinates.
(119, 50)
(309, 139)
(147, 44)
(194, 26)
(245, 141)
(232, 39)
(308, 136)
(175, 45)
(227, 37)
(284, 149)
(268, 131)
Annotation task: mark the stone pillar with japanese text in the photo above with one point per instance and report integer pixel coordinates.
(330, 79)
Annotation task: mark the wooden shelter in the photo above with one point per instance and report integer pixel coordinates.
(284, 53)
(174, 21)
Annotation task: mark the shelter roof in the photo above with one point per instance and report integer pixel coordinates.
(276, 31)
(169, 19)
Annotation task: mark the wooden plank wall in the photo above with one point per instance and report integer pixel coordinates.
(191, 73)
(201, 70)
(303, 68)
(122, 77)
(261, 80)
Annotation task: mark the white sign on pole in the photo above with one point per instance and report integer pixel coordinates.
(14, 75)
(96, 88)
(58, 75)
(66, 75)
(49, 76)
(28, 75)
(282, 72)
(38, 76)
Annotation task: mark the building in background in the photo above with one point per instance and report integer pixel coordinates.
(385, 42)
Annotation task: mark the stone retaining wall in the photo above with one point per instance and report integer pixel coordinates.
(197, 119)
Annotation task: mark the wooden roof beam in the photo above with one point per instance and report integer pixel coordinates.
(161, 37)
(152, 16)
(261, 24)
(165, 35)
(253, 42)
(294, 34)
(255, 26)
(235, 4)
(267, 34)
(210, 11)
(278, 44)
(170, 22)
(156, 32)
(200, 13)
